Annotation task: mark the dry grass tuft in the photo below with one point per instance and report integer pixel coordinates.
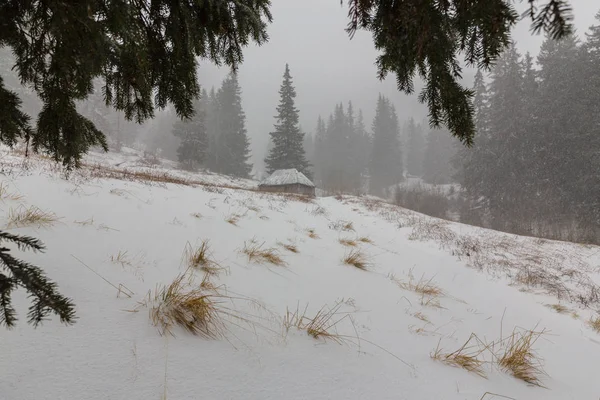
(467, 356)
(318, 210)
(30, 216)
(422, 286)
(348, 242)
(357, 259)
(201, 257)
(594, 323)
(256, 253)
(365, 239)
(312, 234)
(559, 308)
(86, 222)
(5, 194)
(233, 219)
(321, 326)
(518, 356)
(421, 316)
(196, 309)
(292, 248)
(122, 257)
(341, 225)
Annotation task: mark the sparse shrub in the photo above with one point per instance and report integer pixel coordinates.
(559, 308)
(5, 194)
(348, 242)
(357, 259)
(421, 316)
(312, 233)
(518, 356)
(86, 222)
(426, 200)
(318, 210)
(233, 219)
(423, 286)
(321, 326)
(365, 239)
(342, 225)
(467, 356)
(196, 309)
(289, 247)
(256, 253)
(120, 258)
(201, 257)
(594, 323)
(30, 216)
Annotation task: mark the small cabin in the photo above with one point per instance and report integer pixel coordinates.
(288, 181)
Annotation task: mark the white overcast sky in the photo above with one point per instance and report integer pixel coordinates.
(328, 67)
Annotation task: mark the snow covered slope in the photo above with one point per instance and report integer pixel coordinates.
(427, 285)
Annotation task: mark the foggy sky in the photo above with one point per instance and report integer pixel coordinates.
(328, 67)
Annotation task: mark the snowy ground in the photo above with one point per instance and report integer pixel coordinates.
(492, 283)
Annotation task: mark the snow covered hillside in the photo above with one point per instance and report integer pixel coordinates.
(332, 298)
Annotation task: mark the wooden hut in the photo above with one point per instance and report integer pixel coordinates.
(288, 181)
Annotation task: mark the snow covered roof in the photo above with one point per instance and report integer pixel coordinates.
(287, 177)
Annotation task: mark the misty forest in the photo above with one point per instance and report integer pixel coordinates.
(533, 169)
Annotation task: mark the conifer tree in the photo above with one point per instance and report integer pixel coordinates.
(362, 147)
(232, 145)
(147, 56)
(415, 148)
(439, 151)
(385, 167)
(15, 274)
(309, 149)
(287, 138)
(192, 133)
(320, 152)
(211, 107)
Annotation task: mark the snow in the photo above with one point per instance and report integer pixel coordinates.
(114, 351)
(287, 177)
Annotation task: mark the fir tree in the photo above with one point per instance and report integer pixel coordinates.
(415, 148)
(15, 273)
(211, 107)
(147, 57)
(385, 167)
(309, 149)
(436, 160)
(320, 153)
(192, 133)
(288, 140)
(362, 146)
(232, 144)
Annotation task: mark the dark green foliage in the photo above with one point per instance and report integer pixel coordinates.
(341, 151)
(14, 124)
(16, 274)
(534, 168)
(145, 52)
(194, 142)
(428, 37)
(231, 144)
(385, 167)
(287, 138)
